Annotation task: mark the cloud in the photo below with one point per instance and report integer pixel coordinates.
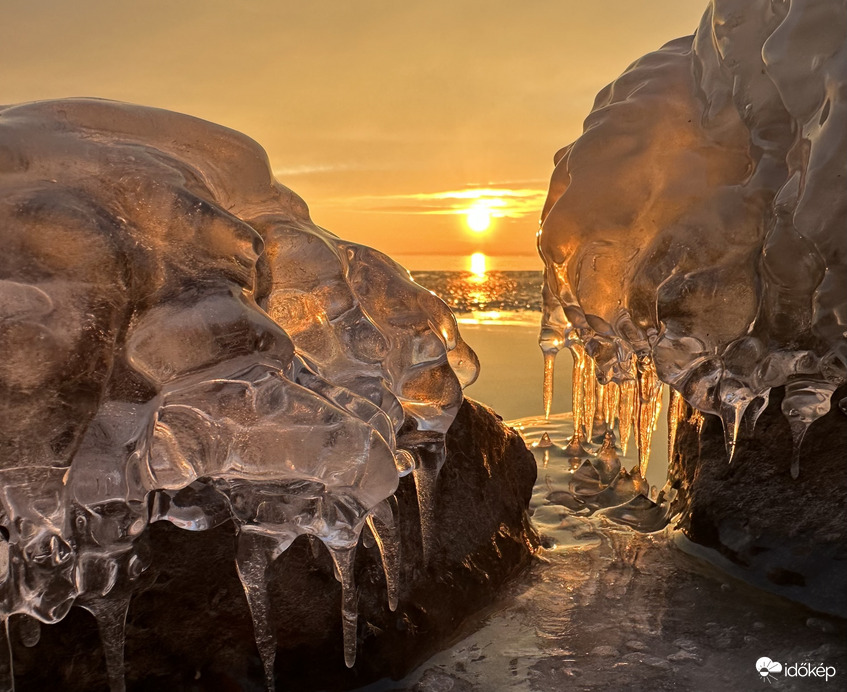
(498, 199)
(314, 169)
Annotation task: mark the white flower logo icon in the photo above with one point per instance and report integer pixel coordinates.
(766, 666)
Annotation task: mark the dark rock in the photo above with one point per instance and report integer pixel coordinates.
(190, 629)
(782, 534)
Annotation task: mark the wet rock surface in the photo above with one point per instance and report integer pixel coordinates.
(190, 628)
(783, 534)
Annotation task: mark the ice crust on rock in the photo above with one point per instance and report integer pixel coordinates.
(180, 342)
(694, 235)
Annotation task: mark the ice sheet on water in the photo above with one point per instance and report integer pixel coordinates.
(694, 234)
(173, 324)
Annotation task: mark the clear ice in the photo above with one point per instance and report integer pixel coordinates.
(179, 342)
(694, 235)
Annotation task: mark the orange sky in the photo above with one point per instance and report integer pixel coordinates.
(381, 114)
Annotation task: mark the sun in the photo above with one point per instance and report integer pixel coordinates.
(478, 218)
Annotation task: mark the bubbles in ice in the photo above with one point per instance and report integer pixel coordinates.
(694, 234)
(180, 342)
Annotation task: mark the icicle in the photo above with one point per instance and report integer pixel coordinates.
(798, 432)
(576, 445)
(430, 459)
(383, 524)
(805, 400)
(601, 405)
(589, 381)
(252, 560)
(110, 614)
(549, 369)
(425, 480)
(674, 415)
(754, 410)
(612, 393)
(599, 426)
(551, 339)
(344, 558)
(7, 666)
(546, 460)
(657, 406)
(577, 391)
(626, 411)
(734, 398)
(731, 418)
(649, 402)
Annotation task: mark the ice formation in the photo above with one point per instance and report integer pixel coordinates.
(180, 342)
(694, 235)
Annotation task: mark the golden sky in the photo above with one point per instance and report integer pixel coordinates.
(384, 115)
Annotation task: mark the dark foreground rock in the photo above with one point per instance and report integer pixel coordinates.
(191, 629)
(783, 534)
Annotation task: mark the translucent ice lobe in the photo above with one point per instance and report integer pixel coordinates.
(698, 221)
(261, 427)
(39, 575)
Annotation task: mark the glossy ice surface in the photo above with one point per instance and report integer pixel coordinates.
(178, 341)
(694, 235)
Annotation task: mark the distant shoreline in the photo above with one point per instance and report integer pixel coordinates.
(424, 262)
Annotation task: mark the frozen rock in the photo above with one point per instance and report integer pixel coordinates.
(694, 234)
(753, 519)
(189, 627)
(179, 342)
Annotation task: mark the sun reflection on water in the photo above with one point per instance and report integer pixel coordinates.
(478, 263)
(480, 295)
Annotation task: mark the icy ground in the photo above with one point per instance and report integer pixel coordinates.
(609, 608)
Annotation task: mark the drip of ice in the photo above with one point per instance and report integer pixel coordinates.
(383, 525)
(696, 227)
(254, 556)
(626, 411)
(674, 415)
(343, 559)
(110, 614)
(179, 342)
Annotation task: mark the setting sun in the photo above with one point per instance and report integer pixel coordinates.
(478, 263)
(478, 218)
